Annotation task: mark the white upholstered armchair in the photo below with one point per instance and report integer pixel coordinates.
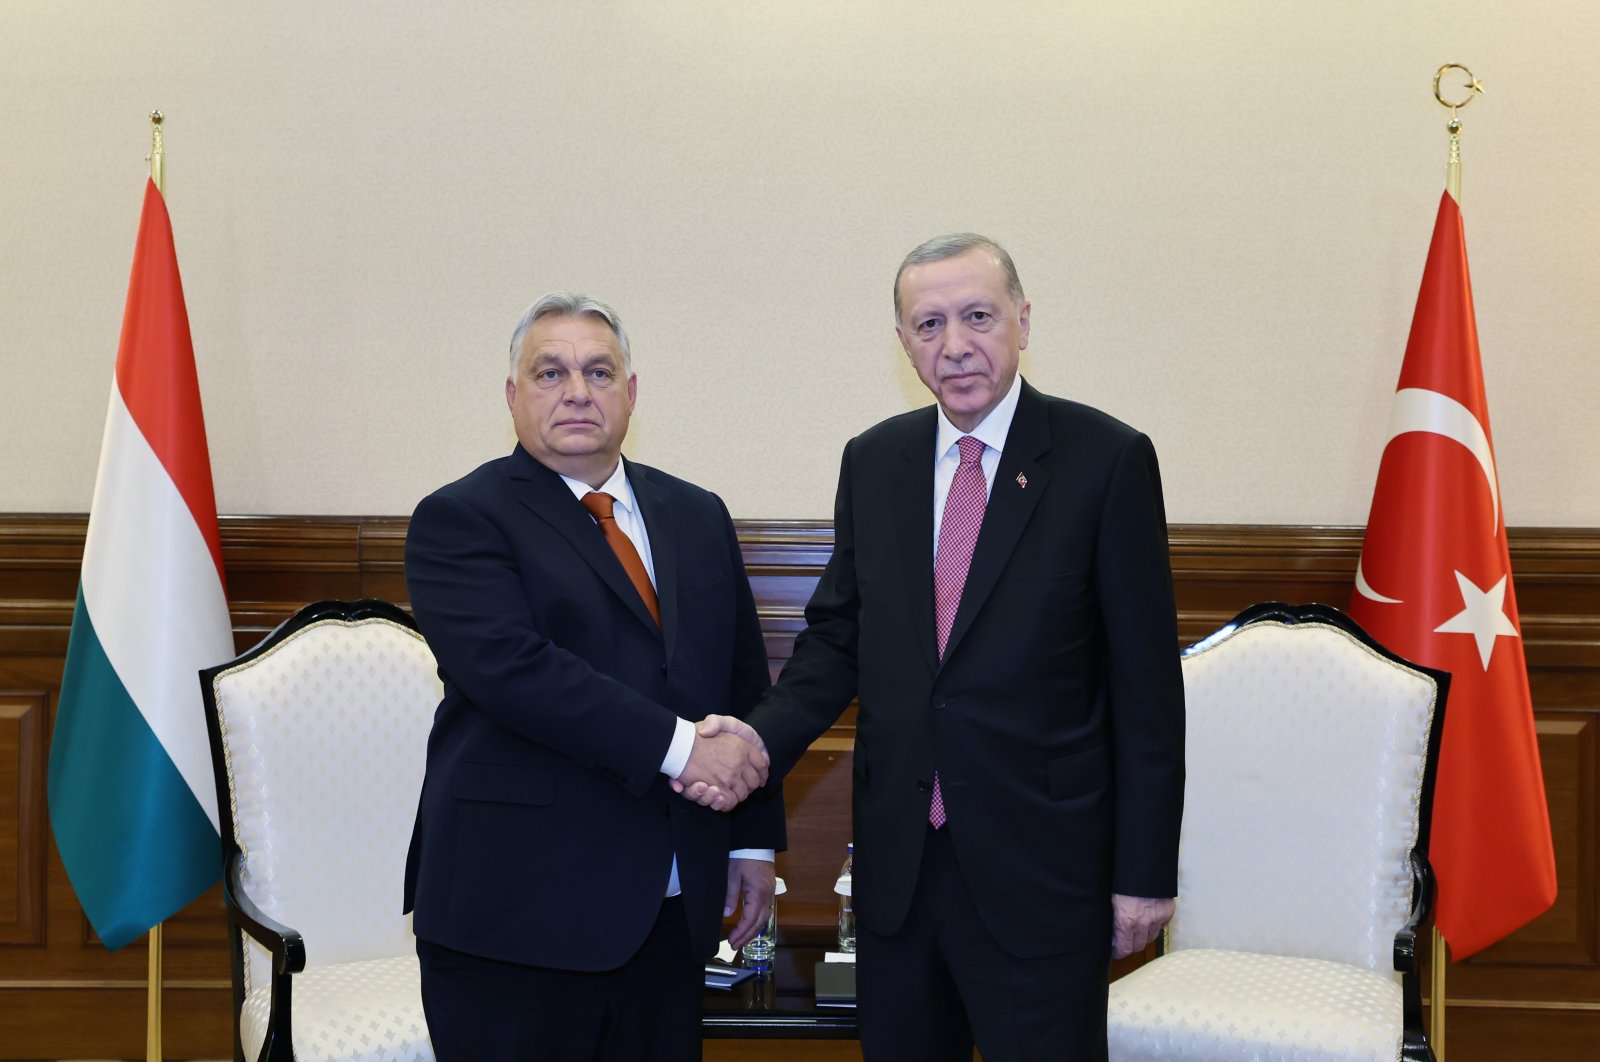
(318, 737)
(1303, 875)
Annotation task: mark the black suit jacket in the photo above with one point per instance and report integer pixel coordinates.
(1055, 718)
(545, 831)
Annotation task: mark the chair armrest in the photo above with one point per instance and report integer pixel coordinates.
(286, 945)
(1405, 941)
(1414, 1046)
(288, 957)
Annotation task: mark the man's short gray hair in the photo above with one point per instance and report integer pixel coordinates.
(569, 304)
(951, 246)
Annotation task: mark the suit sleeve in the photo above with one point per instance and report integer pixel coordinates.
(759, 821)
(820, 679)
(467, 594)
(1144, 678)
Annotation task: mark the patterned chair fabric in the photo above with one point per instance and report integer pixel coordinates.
(319, 735)
(1302, 870)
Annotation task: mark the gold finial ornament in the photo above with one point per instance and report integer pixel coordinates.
(1473, 88)
(158, 160)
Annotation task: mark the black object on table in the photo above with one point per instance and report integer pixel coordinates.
(781, 1003)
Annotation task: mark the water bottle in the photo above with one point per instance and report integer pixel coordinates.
(759, 951)
(847, 912)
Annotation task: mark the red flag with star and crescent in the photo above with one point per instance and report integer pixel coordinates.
(1434, 584)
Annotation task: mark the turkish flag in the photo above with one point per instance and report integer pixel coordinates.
(1434, 584)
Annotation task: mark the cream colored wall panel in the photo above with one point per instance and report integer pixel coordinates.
(1220, 212)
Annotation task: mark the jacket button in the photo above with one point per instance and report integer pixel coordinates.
(663, 671)
(940, 704)
(924, 786)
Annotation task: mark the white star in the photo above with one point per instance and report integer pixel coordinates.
(1483, 617)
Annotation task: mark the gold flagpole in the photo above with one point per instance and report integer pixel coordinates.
(1452, 184)
(1441, 956)
(152, 1017)
(158, 155)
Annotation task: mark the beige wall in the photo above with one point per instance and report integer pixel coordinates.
(1220, 212)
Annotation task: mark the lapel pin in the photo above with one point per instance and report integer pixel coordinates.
(1022, 481)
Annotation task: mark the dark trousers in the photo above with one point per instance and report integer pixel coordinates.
(647, 1010)
(942, 982)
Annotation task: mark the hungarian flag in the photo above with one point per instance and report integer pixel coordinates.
(132, 800)
(1434, 584)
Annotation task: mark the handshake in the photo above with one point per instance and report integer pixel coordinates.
(727, 763)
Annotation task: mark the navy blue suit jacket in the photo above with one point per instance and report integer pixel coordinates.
(545, 831)
(1055, 717)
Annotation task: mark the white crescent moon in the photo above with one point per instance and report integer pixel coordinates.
(1368, 592)
(1429, 411)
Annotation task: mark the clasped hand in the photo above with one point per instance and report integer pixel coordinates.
(727, 763)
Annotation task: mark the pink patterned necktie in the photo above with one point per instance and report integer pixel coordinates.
(958, 534)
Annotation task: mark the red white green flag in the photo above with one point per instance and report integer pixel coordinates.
(132, 800)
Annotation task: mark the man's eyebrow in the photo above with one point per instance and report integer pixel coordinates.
(977, 302)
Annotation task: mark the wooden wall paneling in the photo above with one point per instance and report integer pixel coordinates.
(784, 561)
(24, 825)
(1536, 994)
(817, 798)
(274, 565)
(1477, 1033)
(40, 555)
(92, 1020)
(382, 544)
(200, 927)
(1554, 961)
(1565, 934)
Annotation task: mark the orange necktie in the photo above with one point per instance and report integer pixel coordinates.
(599, 506)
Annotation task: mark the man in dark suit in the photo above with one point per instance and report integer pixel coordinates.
(1000, 600)
(580, 607)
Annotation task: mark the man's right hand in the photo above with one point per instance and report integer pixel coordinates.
(727, 763)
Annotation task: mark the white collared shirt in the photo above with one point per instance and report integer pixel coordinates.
(991, 431)
(626, 512)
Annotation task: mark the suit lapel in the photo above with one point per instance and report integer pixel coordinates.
(656, 509)
(1019, 483)
(543, 493)
(911, 514)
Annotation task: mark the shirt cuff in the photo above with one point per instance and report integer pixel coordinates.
(678, 752)
(770, 855)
